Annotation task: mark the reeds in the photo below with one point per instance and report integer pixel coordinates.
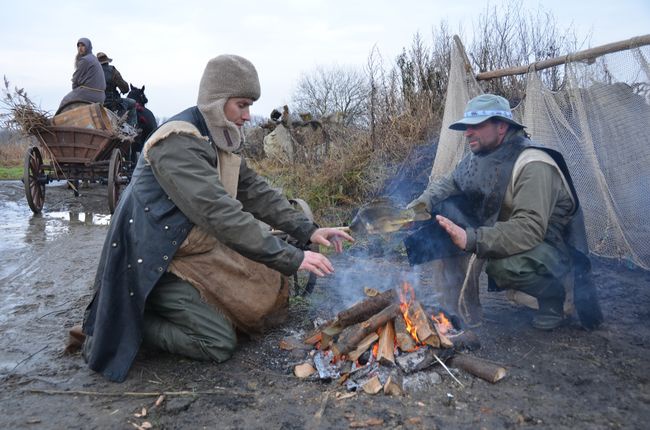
(22, 113)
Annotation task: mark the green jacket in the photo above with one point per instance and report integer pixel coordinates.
(185, 168)
(537, 206)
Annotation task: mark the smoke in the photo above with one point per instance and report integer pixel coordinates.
(380, 262)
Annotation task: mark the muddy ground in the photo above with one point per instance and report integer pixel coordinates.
(568, 378)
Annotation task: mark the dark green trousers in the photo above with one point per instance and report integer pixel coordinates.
(176, 320)
(537, 272)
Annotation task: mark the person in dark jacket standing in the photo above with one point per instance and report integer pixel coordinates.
(186, 259)
(88, 82)
(513, 203)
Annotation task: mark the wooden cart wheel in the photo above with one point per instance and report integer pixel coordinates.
(32, 181)
(115, 182)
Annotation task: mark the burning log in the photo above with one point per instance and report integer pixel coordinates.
(386, 349)
(348, 340)
(403, 338)
(444, 340)
(353, 315)
(424, 329)
(366, 309)
(478, 367)
(466, 340)
(363, 346)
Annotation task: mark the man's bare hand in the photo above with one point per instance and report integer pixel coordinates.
(329, 236)
(316, 263)
(456, 233)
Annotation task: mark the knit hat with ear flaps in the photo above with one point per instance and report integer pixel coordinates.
(224, 77)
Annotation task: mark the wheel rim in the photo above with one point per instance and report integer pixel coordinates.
(114, 182)
(34, 188)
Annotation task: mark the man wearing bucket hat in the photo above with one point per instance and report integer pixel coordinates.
(513, 203)
(186, 261)
(115, 84)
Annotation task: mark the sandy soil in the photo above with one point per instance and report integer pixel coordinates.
(568, 378)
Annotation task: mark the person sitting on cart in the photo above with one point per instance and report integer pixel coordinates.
(186, 260)
(88, 82)
(115, 85)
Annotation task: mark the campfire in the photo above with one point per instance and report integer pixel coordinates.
(380, 342)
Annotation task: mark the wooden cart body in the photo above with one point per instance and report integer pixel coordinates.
(76, 154)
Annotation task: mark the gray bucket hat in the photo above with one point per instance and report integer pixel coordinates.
(103, 58)
(484, 107)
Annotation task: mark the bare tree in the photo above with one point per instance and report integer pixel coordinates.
(507, 35)
(333, 90)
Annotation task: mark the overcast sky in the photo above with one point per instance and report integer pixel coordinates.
(166, 44)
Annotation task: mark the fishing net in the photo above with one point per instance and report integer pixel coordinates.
(599, 121)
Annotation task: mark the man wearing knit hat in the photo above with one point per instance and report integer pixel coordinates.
(513, 203)
(186, 261)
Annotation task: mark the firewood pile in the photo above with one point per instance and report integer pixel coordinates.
(389, 342)
(23, 115)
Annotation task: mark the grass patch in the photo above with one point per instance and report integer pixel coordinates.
(11, 172)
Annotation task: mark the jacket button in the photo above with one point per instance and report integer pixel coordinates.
(114, 244)
(174, 242)
(131, 294)
(139, 260)
(160, 269)
(166, 227)
(128, 266)
(131, 221)
(146, 209)
(165, 257)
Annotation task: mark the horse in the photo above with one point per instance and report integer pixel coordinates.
(146, 120)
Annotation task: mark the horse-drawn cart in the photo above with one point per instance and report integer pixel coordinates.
(76, 154)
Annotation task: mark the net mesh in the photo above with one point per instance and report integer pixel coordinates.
(598, 121)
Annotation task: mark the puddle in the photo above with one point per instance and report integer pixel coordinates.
(24, 233)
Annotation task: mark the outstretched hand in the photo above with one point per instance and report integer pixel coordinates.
(328, 236)
(457, 234)
(317, 263)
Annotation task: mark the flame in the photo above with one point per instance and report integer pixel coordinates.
(442, 323)
(375, 349)
(406, 297)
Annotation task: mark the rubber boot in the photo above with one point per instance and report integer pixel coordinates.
(550, 314)
(549, 293)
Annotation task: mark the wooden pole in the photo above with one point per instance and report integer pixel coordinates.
(587, 54)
